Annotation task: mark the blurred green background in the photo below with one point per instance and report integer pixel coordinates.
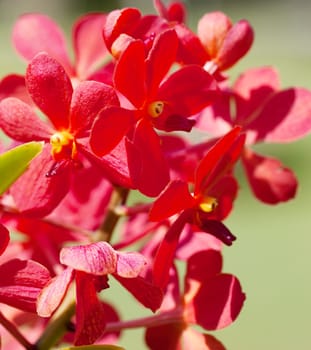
(271, 256)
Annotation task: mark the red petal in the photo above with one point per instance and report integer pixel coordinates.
(109, 128)
(53, 293)
(13, 85)
(4, 238)
(191, 338)
(172, 200)
(147, 164)
(50, 88)
(18, 120)
(118, 22)
(188, 90)
(37, 194)
(212, 29)
(90, 315)
(129, 265)
(219, 159)
(253, 88)
(165, 337)
(285, 117)
(160, 59)
(130, 73)
(236, 44)
(95, 258)
(217, 303)
(21, 282)
(270, 181)
(88, 43)
(34, 33)
(146, 293)
(88, 99)
(165, 255)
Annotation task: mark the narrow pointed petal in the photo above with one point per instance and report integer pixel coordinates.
(13, 85)
(90, 315)
(21, 282)
(130, 265)
(109, 128)
(218, 302)
(253, 88)
(285, 117)
(219, 159)
(147, 164)
(148, 294)
(130, 73)
(18, 121)
(50, 88)
(217, 229)
(160, 59)
(34, 33)
(53, 293)
(270, 181)
(172, 200)
(88, 41)
(37, 194)
(166, 252)
(95, 258)
(88, 99)
(4, 238)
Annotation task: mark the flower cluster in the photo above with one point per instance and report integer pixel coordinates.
(118, 189)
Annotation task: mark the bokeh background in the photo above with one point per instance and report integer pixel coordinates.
(272, 254)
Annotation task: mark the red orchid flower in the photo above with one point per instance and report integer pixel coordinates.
(158, 103)
(267, 114)
(210, 202)
(21, 280)
(89, 265)
(210, 299)
(71, 113)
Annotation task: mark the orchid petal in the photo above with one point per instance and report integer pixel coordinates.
(109, 128)
(219, 159)
(252, 89)
(147, 164)
(129, 265)
(172, 200)
(88, 99)
(50, 88)
(191, 338)
(165, 336)
(34, 33)
(36, 193)
(53, 293)
(95, 258)
(4, 238)
(18, 121)
(130, 70)
(148, 294)
(160, 59)
(21, 282)
(217, 303)
(88, 42)
(285, 117)
(13, 85)
(90, 315)
(270, 181)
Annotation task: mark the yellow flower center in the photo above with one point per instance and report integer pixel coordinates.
(63, 145)
(208, 204)
(155, 109)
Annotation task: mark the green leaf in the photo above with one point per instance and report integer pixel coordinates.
(14, 163)
(94, 347)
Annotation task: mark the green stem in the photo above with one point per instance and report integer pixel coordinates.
(56, 328)
(105, 231)
(12, 329)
